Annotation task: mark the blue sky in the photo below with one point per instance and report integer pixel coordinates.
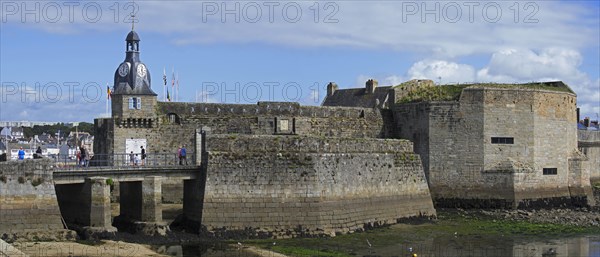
(56, 68)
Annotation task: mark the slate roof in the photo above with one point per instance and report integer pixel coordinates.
(357, 97)
(132, 36)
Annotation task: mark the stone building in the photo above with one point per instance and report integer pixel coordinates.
(493, 145)
(274, 168)
(367, 157)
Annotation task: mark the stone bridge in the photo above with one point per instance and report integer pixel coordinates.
(34, 195)
(84, 195)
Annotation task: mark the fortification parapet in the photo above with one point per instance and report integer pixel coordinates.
(498, 146)
(589, 145)
(307, 186)
(28, 204)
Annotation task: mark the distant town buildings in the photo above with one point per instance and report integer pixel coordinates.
(30, 124)
(588, 124)
(58, 147)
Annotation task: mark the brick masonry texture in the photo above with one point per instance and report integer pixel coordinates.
(299, 185)
(282, 168)
(461, 162)
(27, 197)
(589, 145)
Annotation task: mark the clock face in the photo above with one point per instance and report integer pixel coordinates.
(124, 69)
(141, 70)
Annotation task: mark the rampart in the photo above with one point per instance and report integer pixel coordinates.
(287, 186)
(498, 147)
(28, 204)
(589, 145)
(176, 123)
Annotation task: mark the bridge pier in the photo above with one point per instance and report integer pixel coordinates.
(86, 207)
(99, 201)
(141, 206)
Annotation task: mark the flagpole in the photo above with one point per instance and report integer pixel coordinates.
(173, 80)
(107, 98)
(165, 84)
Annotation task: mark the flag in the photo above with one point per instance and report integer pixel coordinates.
(173, 81)
(177, 92)
(165, 76)
(168, 96)
(108, 92)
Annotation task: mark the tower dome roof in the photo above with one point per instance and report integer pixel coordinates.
(132, 36)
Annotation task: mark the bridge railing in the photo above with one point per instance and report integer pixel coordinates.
(127, 161)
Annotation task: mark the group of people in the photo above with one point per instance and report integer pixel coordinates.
(134, 159)
(140, 159)
(37, 155)
(83, 157)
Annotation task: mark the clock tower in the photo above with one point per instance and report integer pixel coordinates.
(133, 100)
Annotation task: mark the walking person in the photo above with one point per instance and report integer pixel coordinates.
(183, 158)
(21, 154)
(38, 153)
(83, 156)
(78, 157)
(143, 156)
(179, 155)
(132, 158)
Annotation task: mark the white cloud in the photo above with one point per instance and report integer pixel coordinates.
(363, 24)
(206, 97)
(523, 65)
(444, 71)
(549, 64)
(392, 80)
(39, 104)
(514, 66)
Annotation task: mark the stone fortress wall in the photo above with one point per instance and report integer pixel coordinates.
(29, 207)
(175, 124)
(264, 118)
(465, 168)
(283, 169)
(589, 145)
(303, 185)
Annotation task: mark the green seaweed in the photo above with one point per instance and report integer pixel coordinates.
(453, 92)
(450, 224)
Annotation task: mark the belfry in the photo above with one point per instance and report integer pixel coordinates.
(133, 98)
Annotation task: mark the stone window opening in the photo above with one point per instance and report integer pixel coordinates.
(503, 140)
(173, 118)
(135, 103)
(550, 171)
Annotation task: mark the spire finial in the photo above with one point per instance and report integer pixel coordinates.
(133, 15)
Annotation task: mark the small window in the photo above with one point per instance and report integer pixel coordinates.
(173, 118)
(135, 103)
(550, 171)
(503, 140)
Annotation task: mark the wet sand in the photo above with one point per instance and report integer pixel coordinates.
(105, 248)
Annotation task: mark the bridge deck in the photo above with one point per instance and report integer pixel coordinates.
(124, 174)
